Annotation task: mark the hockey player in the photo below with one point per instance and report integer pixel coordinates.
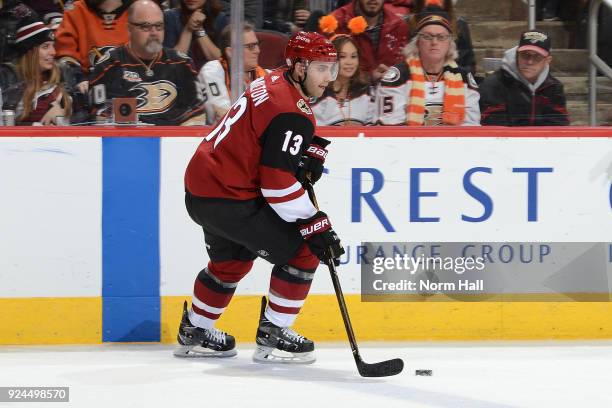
(162, 80)
(214, 78)
(243, 187)
(428, 88)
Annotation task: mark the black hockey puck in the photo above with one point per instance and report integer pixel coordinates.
(428, 373)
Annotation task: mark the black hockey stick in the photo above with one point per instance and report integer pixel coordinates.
(382, 369)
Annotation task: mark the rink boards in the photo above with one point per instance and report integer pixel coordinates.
(96, 244)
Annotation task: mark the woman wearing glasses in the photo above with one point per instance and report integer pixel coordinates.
(193, 28)
(348, 100)
(428, 88)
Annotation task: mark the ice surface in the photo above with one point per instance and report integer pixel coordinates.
(555, 374)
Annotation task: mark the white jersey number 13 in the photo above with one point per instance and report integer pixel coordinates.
(297, 142)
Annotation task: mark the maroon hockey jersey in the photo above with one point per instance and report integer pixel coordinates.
(255, 149)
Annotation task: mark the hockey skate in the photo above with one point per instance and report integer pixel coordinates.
(280, 344)
(196, 342)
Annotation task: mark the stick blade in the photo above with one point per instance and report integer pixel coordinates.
(382, 369)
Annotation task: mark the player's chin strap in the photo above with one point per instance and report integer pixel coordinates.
(302, 82)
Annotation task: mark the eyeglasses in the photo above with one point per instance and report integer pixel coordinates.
(147, 27)
(438, 37)
(531, 56)
(252, 46)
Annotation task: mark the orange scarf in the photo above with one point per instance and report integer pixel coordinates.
(454, 96)
(255, 73)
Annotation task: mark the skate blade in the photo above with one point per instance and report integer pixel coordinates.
(201, 352)
(270, 355)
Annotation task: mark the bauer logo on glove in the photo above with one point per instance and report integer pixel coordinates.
(316, 151)
(321, 238)
(310, 168)
(316, 227)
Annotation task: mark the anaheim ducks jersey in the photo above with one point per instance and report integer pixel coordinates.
(255, 149)
(85, 35)
(359, 109)
(166, 93)
(393, 94)
(213, 81)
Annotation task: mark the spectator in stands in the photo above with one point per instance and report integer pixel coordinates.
(35, 91)
(162, 80)
(401, 8)
(214, 78)
(285, 16)
(349, 99)
(463, 39)
(523, 92)
(193, 29)
(379, 34)
(548, 10)
(87, 32)
(12, 14)
(253, 11)
(429, 88)
(50, 11)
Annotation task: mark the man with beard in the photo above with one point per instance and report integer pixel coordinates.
(162, 81)
(382, 42)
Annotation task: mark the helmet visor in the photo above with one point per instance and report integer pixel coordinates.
(323, 70)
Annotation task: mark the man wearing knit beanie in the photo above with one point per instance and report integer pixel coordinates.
(428, 88)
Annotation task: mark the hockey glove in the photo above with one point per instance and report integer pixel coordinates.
(310, 168)
(321, 238)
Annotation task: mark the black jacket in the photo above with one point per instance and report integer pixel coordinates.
(466, 58)
(507, 101)
(12, 15)
(13, 88)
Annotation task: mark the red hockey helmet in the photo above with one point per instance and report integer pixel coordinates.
(310, 46)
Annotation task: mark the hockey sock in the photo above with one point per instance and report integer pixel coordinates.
(289, 286)
(213, 290)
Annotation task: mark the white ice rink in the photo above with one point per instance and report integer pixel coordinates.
(559, 374)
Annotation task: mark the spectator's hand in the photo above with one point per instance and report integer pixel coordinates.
(293, 28)
(55, 111)
(83, 87)
(196, 21)
(379, 72)
(219, 112)
(301, 16)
